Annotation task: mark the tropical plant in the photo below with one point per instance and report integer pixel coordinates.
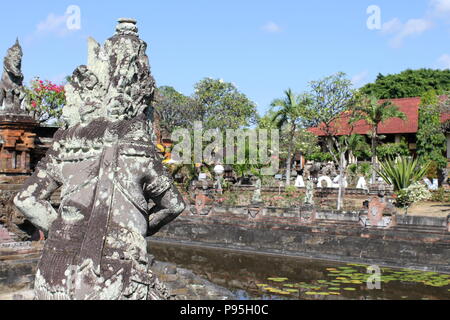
(402, 172)
(289, 114)
(357, 145)
(374, 113)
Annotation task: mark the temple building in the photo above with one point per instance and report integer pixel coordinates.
(394, 130)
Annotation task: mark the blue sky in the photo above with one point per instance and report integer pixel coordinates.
(264, 47)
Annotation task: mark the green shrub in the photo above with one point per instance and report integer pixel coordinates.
(353, 169)
(414, 193)
(392, 150)
(365, 169)
(291, 190)
(440, 195)
(320, 157)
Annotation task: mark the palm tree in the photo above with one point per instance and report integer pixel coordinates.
(374, 113)
(291, 108)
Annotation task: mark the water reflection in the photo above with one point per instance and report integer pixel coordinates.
(256, 276)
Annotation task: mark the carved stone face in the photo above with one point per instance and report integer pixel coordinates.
(131, 84)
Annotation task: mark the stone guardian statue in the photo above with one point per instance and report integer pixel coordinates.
(12, 92)
(115, 190)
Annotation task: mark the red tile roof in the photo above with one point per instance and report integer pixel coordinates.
(409, 106)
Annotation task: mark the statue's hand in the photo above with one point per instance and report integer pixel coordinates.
(167, 207)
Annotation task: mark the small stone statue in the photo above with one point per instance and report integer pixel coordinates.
(12, 92)
(257, 199)
(309, 197)
(115, 190)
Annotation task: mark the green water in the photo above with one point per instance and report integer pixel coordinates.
(256, 276)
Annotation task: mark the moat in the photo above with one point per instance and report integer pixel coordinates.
(256, 276)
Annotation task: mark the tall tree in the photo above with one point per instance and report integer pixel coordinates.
(220, 105)
(174, 109)
(409, 83)
(431, 140)
(330, 98)
(288, 114)
(374, 113)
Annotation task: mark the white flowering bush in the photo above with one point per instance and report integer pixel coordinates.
(414, 193)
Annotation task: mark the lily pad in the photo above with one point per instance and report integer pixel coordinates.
(278, 279)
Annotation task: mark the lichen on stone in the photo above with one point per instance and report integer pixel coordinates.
(108, 170)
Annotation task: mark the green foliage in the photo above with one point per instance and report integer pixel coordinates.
(175, 110)
(45, 100)
(409, 83)
(440, 195)
(369, 109)
(431, 140)
(220, 105)
(374, 113)
(328, 99)
(392, 150)
(289, 110)
(402, 172)
(266, 121)
(364, 169)
(291, 191)
(433, 170)
(353, 168)
(217, 104)
(357, 145)
(288, 116)
(319, 157)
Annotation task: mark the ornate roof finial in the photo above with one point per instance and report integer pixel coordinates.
(127, 26)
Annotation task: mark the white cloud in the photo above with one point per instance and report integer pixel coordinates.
(360, 79)
(440, 7)
(444, 61)
(392, 26)
(401, 31)
(54, 24)
(272, 27)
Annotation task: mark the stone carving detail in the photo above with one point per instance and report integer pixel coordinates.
(256, 198)
(12, 93)
(309, 197)
(381, 213)
(115, 190)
